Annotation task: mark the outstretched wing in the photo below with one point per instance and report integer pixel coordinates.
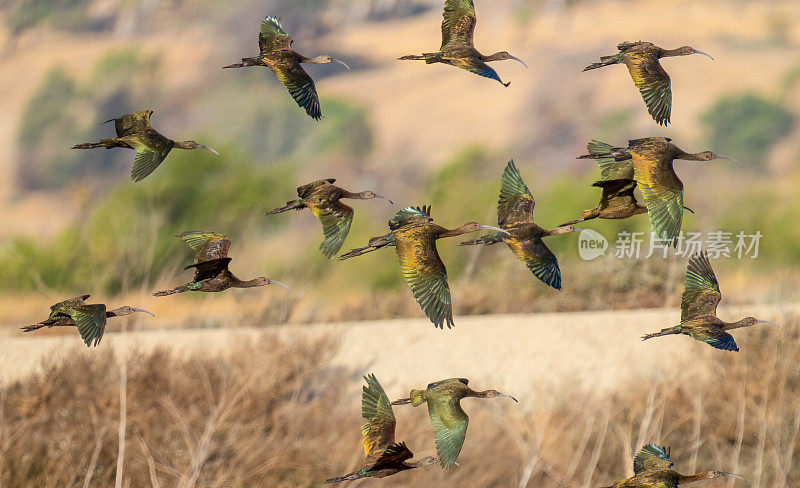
(653, 84)
(701, 293)
(516, 202)
(150, 153)
(539, 259)
(652, 457)
(663, 194)
(300, 85)
(336, 219)
(306, 190)
(449, 427)
(209, 269)
(392, 457)
(476, 66)
(615, 164)
(714, 337)
(425, 273)
(272, 37)
(207, 246)
(620, 191)
(91, 322)
(410, 215)
(136, 122)
(458, 25)
(378, 430)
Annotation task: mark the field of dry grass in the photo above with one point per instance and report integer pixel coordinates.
(280, 407)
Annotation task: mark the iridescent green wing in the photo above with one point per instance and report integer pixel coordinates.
(272, 37)
(135, 123)
(449, 427)
(91, 322)
(539, 259)
(701, 293)
(336, 219)
(653, 84)
(305, 191)
(425, 273)
(151, 150)
(617, 165)
(410, 215)
(300, 85)
(516, 202)
(476, 66)
(458, 25)
(714, 336)
(207, 246)
(663, 194)
(378, 430)
(652, 457)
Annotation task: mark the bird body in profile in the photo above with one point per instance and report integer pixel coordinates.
(323, 198)
(458, 29)
(135, 132)
(699, 302)
(653, 82)
(384, 457)
(652, 469)
(413, 235)
(448, 418)
(276, 53)
(649, 162)
(617, 202)
(211, 266)
(90, 319)
(523, 236)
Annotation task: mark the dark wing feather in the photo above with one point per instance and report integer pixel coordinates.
(652, 457)
(458, 25)
(410, 215)
(516, 202)
(378, 430)
(701, 293)
(663, 195)
(336, 219)
(272, 37)
(393, 456)
(209, 269)
(91, 322)
(300, 85)
(476, 66)
(306, 190)
(714, 337)
(425, 273)
(654, 85)
(207, 246)
(615, 164)
(621, 190)
(540, 260)
(150, 153)
(134, 123)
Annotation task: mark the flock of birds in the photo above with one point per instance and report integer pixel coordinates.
(646, 164)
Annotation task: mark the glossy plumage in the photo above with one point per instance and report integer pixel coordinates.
(699, 302)
(649, 162)
(276, 53)
(323, 198)
(652, 469)
(458, 29)
(135, 132)
(90, 319)
(414, 235)
(211, 261)
(384, 457)
(448, 418)
(653, 82)
(524, 238)
(616, 202)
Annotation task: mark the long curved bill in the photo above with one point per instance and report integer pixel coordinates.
(731, 159)
(704, 54)
(509, 396)
(768, 322)
(731, 474)
(491, 227)
(143, 310)
(342, 63)
(517, 59)
(378, 196)
(273, 282)
(208, 149)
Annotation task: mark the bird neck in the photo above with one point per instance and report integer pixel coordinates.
(492, 57)
(666, 53)
(314, 60)
(362, 195)
(182, 145)
(248, 284)
(464, 229)
(705, 475)
(119, 312)
(736, 325)
(688, 156)
(560, 230)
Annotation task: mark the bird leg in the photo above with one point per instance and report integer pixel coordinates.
(663, 332)
(106, 143)
(402, 401)
(374, 244)
(179, 289)
(293, 205)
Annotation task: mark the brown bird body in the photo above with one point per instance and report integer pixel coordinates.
(699, 320)
(323, 198)
(90, 319)
(211, 266)
(616, 202)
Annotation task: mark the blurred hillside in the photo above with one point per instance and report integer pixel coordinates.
(73, 221)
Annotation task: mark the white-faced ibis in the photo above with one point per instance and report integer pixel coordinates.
(651, 161)
(652, 469)
(458, 28)
(414, 235)
(276, 53)
(384, 456)
(642, 60)
(135, 132)
(523, 236)
(616, 202)
(211, 261)
(323, 198)
(90, 319)
(448, 418)
(699, 302)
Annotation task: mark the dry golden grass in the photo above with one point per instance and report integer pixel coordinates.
(278, 412)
